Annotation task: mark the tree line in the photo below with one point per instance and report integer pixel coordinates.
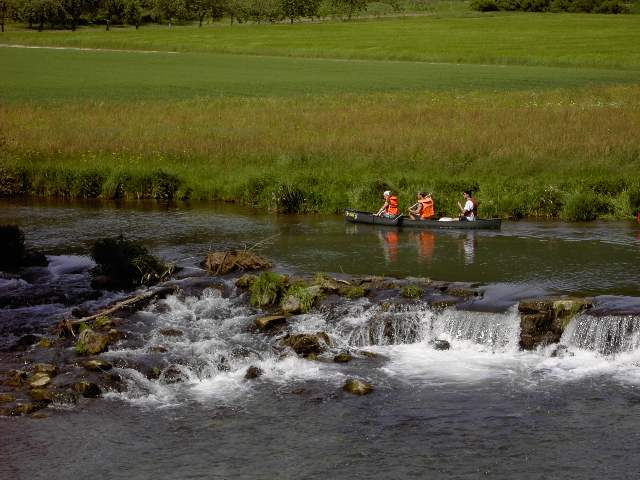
(42, 14)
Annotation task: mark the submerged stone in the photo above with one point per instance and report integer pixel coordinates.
(171, 332)
(16, 378)
(87, 389)
(25, 342)
(246, 280)
(253, 372)
(46, 368)
(39, 380)
(291, 304)
(6, 398)
(221, 263)
(357, 387)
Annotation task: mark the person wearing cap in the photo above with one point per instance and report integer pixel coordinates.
(424, 209)
(470, 209)
(390, 207)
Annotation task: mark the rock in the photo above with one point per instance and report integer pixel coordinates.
(441, 304)
(343, 357)
(368, 354)
(46, 368)
(16, 378)
(291, 304)
(154, 373)
(312, 357)
(6, 398)
(115, 335)
(25, 342)
(221, 263)
(570, 306)
(246, 280)
(25, 409)
(253, 372)
(87, 389)
(314, 290)
(561, 351)
(171, 332)
(329, 285)
(441, 344)
(462, 292)
(172, 374)
(535, 323)
(305, 344)
(535, 305)
(39, 380)
(91, 343)
(97, 365)
(157, 349)
(358, 387)
(40, 395)
(269, 322)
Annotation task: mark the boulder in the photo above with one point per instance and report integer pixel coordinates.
(329, 285)
(104, 322)
(368, 354)
(87, 389)
(25, 342)
(172, 374)
(357, 387)
(246, 280)
(535, 323)
(270, 322)
(40, 394)
(439, 344)
(91, 343)
(46, 343)
(221, 263)
(462, 292)
(561, 351)
(39, 380)
(535, 306)
(253, 372)
(24, 408)
(97, 365)
(158, 349)
(443, 303)
(46, 368)
(305, 343)
(343, 357)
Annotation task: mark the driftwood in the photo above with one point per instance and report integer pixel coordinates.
(135, 301)
(221, 263)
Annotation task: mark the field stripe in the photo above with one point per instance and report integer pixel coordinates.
(83, 49)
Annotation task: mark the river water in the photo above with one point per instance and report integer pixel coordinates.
(483, 409)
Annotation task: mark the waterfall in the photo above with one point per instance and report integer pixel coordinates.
(607, 334)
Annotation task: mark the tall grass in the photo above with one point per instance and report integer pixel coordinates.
(525, 154)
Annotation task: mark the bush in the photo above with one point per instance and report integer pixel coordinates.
(354, 292)
(484, 5)
(126, 263)
(612, 6)
(13, 182)
(306, 298)
(267, 289)
(411, 291)
(584, 207)
(288, 199)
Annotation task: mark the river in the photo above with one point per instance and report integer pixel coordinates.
(484, 408)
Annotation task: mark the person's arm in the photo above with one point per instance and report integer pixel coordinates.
(381, 209)
(461, 207)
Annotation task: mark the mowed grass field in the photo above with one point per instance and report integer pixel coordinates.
(538, 126)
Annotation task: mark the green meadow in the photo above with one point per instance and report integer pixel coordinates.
(538, 113)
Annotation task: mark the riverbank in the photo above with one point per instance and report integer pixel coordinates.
(567, 154)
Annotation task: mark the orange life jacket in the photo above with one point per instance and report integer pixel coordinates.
(428, 209)
(392, 207)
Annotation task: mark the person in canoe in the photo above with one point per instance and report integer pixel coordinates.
(424, 209)
(390, 208)
(470, 210)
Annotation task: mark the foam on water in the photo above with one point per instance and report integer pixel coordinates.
(69, 265)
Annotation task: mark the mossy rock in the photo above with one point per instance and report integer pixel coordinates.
(46, 343)
(91, 343)
(268, 289)
(357, 387)
(411, 291)
(353, 292)
(343, 357)
(104, 323)
(246, 280)
(306, 344)
(16, 378)
(536, 306)
(253, 372)
(171, 332)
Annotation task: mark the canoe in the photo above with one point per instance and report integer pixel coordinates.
(355, 216)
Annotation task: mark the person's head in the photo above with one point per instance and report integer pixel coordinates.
(386, 194)
(467, 194)
(422, 195)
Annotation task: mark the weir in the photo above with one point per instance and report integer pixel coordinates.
(607, 335)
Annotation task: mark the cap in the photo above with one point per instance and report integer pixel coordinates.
(387, 192)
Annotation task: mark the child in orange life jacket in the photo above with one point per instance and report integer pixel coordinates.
(390, 207)
(425, 208)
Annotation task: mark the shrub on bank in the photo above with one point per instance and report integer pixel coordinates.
(584, 207)
(125, 263)
(573, 6)
(13, 253)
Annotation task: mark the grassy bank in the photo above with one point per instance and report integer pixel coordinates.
(611, 41)
(527, 154)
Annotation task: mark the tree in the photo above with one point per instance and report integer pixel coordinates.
(76, 8)
(39, 12)
(292, 9)
(6, 7)
(172, 10)
(133, 12)
(352, 6)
